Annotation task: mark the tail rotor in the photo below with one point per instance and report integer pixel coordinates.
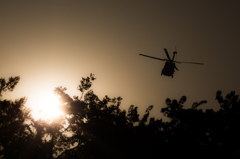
(175, 52)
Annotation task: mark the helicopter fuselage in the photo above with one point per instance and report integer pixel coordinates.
(169, 69)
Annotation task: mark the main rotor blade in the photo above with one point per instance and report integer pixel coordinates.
(167, 54)
(176, 62)
(191, 63)
(153, 57)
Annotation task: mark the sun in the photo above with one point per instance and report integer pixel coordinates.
(44, 105)
(49, 106)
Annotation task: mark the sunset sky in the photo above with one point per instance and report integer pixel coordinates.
(56, 43)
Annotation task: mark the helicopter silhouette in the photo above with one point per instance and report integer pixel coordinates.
(170, 66)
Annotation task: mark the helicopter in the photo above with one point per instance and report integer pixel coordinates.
(170, 66)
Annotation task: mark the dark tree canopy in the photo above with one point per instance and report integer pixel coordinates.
(98, 128)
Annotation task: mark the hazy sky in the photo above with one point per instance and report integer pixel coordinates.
(50, 44)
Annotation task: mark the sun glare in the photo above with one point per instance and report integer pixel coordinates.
(45, 106)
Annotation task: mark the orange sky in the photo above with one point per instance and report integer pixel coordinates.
(50, 44)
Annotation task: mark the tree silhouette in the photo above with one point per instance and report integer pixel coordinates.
(21, 136)
(98, 128)
(196, 134)
(8, 86)
(14, 131)
(101, 129)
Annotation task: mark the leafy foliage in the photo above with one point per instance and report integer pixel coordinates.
(10, 85)
(98, 128)
(14, 131)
